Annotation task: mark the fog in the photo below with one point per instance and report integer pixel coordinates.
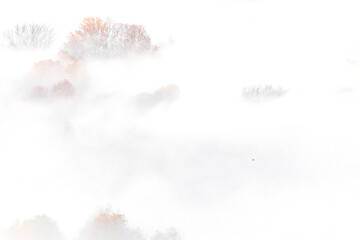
(244, 124)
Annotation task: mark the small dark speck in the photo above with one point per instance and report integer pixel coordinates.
(253, 159)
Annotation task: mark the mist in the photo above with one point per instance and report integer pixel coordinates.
(243, 124)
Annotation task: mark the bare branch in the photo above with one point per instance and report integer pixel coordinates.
(35, 36)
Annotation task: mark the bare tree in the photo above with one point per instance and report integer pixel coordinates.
(34, 36)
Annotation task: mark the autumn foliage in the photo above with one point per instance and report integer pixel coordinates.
(63, 88)
(48, 68)
(40, 227)
(105, 38)
(108, 226)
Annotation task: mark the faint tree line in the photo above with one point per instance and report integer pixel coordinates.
(95, 37)
(106, 225)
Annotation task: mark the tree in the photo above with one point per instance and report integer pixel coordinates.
(108, 225)
(40, 227)
(33, 36)
(105, 38)
(262, 93)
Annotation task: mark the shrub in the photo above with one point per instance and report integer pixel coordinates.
(34, 36)
(262, 92)
(105, 38)
(63, 88)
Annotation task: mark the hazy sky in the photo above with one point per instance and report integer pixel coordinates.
(188, 163)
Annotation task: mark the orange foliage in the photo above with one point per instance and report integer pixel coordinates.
(92, 25)
(109, 225)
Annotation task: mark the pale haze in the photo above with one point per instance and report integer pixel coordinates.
(243, 125)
